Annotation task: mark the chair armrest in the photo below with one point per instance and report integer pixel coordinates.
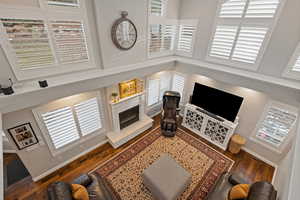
(236, 179)
(83, 179)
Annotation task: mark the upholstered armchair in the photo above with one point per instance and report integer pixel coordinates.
(168, 123)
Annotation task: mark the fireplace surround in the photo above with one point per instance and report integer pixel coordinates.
(128, 119)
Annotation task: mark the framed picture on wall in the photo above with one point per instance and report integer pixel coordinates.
(23, 135)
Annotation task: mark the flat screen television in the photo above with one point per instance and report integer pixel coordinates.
(215, 101)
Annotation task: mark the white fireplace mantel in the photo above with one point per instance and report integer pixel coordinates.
(117, 136)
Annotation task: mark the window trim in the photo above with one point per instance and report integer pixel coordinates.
(288, 72)
(38, 111)
(290, 135)
(46, 14)
(271, 27)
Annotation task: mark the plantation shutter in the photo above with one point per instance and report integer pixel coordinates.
(241, 31)
(72, 3)
(156, 38)
(276, 126)
(70, 41)
(164, 85)
(61, 126)
(161, 38)
(248, 44)
(178, 83)
(153, 91)
(157, 7)
(223, 41)
(233, 9)
(262, 8)
(185, 40)
(88, 115)
(29, 42)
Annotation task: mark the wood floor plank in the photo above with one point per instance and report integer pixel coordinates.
(245, 164)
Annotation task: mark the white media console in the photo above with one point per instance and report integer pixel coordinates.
(212, 128)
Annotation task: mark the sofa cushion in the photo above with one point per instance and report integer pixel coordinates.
(79, 192)
(239, 191)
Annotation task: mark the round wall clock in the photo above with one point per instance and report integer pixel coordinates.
(124, 33)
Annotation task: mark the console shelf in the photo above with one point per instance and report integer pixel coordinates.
(213, 129)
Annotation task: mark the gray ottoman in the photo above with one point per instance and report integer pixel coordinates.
(166, 179)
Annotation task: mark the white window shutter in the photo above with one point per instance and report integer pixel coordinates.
(276, 126)
(223, 41)
(61, 126)
(248, 45)
(164, 85)
(232, 9)
(72, 3)
(157, 7)
(296, 67)
(262, 8)
(29, 42)
(178, 83)
(70, 41)
(168, 37)
(153, 92)
(88, 115)
(156, 38)
(185, 40)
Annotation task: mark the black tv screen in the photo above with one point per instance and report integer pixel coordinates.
(215, 101)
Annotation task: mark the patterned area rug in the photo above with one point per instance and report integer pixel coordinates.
(123, 172)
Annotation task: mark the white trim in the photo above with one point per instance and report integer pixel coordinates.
(48, 172)
(264, 160)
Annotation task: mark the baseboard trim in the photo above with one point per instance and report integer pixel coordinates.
(264, 160)
(9, 151)
(48, 172)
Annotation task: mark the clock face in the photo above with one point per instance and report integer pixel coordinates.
(125, 35)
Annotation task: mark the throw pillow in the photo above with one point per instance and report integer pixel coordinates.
(79, 192)
(239, 191)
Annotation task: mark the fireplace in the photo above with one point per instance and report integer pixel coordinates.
(128, 117)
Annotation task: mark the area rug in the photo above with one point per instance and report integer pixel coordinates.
(123, 171)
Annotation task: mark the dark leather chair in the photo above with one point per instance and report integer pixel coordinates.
(95, 185)
(168, 122)
(258, 191)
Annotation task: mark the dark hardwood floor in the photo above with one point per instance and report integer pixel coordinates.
(250, 167)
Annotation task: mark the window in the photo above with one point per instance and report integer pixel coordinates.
(153, 92)
(178, 83)
(162, 31)
(70, 121)
(186, 37)
(293, 68)
(49, 40)
(158, 84)
(276, 125)
(157, 7)
(242, 31)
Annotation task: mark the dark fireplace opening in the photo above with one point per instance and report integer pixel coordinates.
(129, 117)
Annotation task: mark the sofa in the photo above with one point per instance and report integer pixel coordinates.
(96, 187)
(258, 191)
